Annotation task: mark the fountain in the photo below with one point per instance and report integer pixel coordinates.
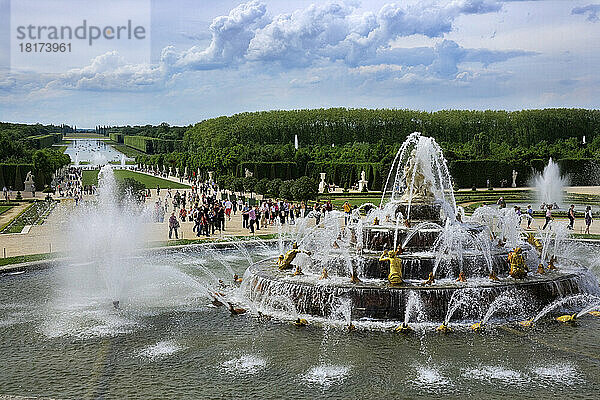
(423, 235)
(550, 184)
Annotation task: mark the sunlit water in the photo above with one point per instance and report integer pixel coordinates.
(92, 151)
(62, 338)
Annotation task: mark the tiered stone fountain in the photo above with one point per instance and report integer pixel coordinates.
(419, 219)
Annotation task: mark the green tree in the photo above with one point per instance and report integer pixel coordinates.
(273, 188)
(285, 190)
(305, 188)
(130, 188)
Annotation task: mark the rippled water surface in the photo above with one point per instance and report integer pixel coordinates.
(62, 338)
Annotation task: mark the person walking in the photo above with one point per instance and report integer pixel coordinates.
(548, 216)
(252, 217)
(347, 211)
(529, 216)
(228, 207)
(245, 216)
(571, 216)
(588, 219)
(173, 225)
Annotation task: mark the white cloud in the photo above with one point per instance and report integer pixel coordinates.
(109, 71)
(591, 10)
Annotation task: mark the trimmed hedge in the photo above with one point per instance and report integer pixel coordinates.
(13, 175)
(43, 141)
(270, 170)
(342, 174)
(468, 173)
(150, 145)
(116, 137)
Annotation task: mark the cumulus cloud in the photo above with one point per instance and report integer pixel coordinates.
(109, 71)
(334, 32)
(331, 31)
(230, 36)
(591, 10)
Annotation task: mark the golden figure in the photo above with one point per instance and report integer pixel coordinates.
(285, 262)
(376, 221)
(528, 323)
(477, 327)
(461, 277)
(354, 278)
(532, 240)
(493, 276)
(403, 328)
(419, 187)
(395, 275)
(516, 261)
(551, 266)
(324, 274)
(567, 318)
(540, 269)
(430, 280)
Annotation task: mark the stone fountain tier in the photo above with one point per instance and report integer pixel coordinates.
(378, 300)
(377, 238)
(420, 211)
(416, 265)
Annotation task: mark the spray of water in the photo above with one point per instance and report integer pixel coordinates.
(550, 184)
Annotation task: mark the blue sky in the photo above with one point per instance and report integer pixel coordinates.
(211, 58)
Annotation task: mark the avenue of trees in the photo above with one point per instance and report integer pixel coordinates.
(25, 148)
(478, 145)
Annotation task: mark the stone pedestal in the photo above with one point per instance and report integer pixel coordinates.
(29, 184)
(322, 184)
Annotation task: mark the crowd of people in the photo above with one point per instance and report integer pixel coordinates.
(548, 208)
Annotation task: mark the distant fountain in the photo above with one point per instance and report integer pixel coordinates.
(550, 184)
(122, 160)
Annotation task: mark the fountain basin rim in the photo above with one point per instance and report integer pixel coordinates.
(256, 270)
(53, 262)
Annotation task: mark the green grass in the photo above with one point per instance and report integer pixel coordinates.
(119, 162)
(27, 258)
(34, 214)
(128, 151)
(150, 182)
(180, 242)
(586, 236)
(4, 209)
(83, 135)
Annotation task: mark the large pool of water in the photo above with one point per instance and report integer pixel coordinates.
(92, 151)
(62, 338)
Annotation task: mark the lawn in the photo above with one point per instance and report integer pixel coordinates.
(35, 213)
(128, 151)
(4, 209)
(91, 178)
